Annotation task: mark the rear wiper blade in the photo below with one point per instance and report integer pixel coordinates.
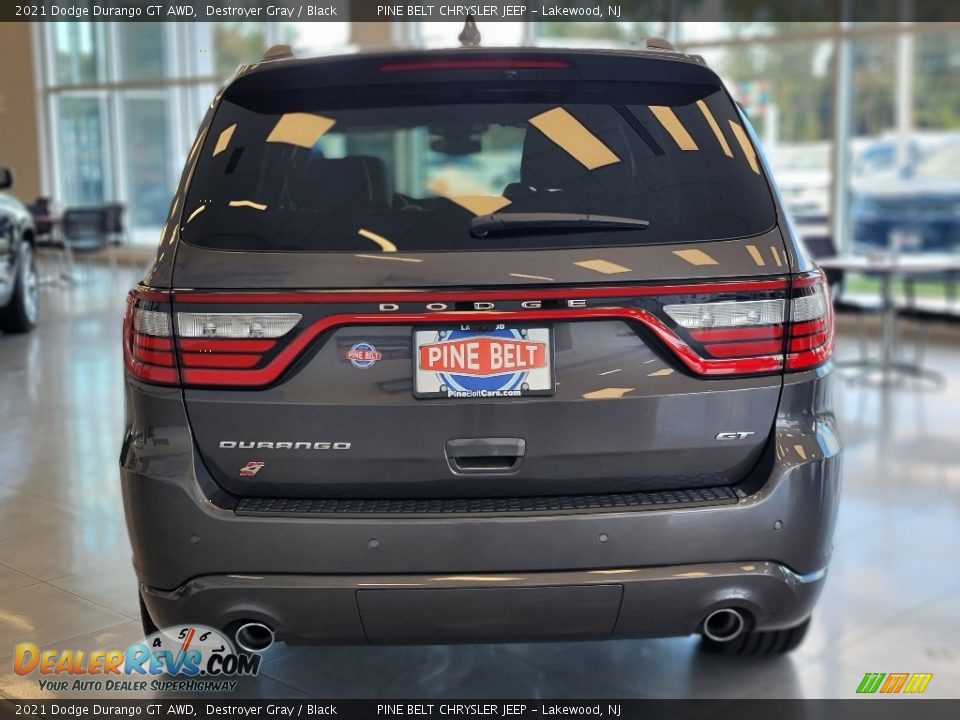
(508, 222)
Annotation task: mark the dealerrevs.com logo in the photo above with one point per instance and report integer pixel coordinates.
(184, 658)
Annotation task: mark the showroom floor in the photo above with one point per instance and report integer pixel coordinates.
(890, 605)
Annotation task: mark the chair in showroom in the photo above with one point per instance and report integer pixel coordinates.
(113, 225)
(83, 231)
(48, 237)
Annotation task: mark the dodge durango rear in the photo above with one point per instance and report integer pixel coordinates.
(480, 346)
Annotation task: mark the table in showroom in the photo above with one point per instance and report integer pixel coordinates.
(887, 267)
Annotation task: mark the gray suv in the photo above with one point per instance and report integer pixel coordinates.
(475, 346)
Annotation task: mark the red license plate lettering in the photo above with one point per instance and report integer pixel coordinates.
(483, 356)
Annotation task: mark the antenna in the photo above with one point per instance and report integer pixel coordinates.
(469, 36)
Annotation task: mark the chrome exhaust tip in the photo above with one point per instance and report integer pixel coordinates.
(723, 625)
(254, 637)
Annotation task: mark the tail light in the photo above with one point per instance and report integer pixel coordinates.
(811, 324)
(714, 329)
(148, 338)
(200, 348)
(754, 335)
(216, 347)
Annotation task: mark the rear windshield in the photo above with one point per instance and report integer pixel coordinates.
(407, 170)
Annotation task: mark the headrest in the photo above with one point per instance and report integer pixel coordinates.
(350, 182)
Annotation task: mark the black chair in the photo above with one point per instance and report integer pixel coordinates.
(47, 237)
(41, 210)
(113, 227)
(83, 229)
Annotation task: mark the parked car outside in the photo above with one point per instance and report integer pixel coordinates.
(802, 173)
(917, 210)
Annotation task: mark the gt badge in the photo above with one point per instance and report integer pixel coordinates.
(251, 468)
(363, 355)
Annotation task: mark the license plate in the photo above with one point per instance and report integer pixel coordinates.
(479, 362)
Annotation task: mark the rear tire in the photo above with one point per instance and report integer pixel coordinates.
(759, 642)
(20, 314)
(149, 627)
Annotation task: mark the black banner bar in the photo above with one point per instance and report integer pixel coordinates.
(873, 708)
(483, 10)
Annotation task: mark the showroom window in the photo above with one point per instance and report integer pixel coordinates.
(108, 87)
(878, 120)
(864, 99)
(77, 51)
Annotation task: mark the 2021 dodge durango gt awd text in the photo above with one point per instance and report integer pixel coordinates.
(480, 345)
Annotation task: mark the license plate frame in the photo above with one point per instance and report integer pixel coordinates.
(514, 384)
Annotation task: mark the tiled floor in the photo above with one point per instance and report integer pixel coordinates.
(892, 601)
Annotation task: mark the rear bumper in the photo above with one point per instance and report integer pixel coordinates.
(593, 604)
(314, 577)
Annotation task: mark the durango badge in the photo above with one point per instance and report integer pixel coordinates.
(363, 355)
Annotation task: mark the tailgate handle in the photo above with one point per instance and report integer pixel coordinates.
(485, 455)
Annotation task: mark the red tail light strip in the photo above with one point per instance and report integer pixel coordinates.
(153, 373)
(272, 371)
(808, 342)
(152, 343)
(153, 357)
(802, 356)
(479, 64)
(402, 295)
(150, 295)
(228, 346)
(805, 281)
(766, 332)
(220, 361)
(807, 327)
(742, 349)
(810, 358)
